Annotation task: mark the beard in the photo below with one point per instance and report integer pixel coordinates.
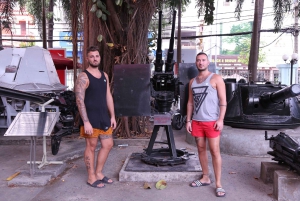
(93, 65)
(203, 69)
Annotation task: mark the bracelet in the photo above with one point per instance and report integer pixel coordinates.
(189, 121)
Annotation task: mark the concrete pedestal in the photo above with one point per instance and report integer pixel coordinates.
(267, 171)
(286, 185)
(136, 170)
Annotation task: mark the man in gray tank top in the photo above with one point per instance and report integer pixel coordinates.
(205, 114)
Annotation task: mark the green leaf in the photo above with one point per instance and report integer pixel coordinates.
(117, 2)
(106, 11)
(104, 17)
(94, 8)
(94, 1)
(99, 4)
(99, 38)
(99, 13)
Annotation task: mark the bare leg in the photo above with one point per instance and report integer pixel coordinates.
(201, 145)
(214, 145)
(106, 145)
(89, 159)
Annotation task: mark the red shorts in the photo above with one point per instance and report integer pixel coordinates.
(204, 129)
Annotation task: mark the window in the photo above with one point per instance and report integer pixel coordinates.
(23, 27)
(276, 77)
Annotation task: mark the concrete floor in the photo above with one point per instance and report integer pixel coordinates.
(240, 176)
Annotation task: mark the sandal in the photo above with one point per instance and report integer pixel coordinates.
(105, 180)
(198, 183)
(220, 190)
(95, 184)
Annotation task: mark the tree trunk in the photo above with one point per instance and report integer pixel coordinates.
(1, 44)
(128, 33)
(254, 51)
(74, 19)
(296, 29)
(44, 25)
(50, 24)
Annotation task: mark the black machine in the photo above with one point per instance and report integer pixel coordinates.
(137, 94)
(67, 108)
(164, 84)
(285, 150)
(65, 126)
(262, 106)
(164, 90)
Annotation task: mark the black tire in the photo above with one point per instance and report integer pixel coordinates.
(177, 122)
(55, 142)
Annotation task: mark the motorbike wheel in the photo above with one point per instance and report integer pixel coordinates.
(177, 122)
(55, 142)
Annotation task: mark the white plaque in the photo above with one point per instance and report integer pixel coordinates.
(33, 124)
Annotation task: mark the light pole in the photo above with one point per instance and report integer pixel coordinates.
(294, 59)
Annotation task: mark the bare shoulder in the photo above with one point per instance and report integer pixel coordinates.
(105, 74)
(191, 81)
(82, 75)
(217, 78)
(82, 80)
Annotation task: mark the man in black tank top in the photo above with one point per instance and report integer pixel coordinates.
(96, 108)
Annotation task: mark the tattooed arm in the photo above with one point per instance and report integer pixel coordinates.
(82, 82)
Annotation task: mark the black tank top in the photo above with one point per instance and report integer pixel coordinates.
(95, 102)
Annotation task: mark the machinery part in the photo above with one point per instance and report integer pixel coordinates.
(262, 106)
(55, 143)
(285, 150)
(159, 157)
(178, 121)
(164, 156)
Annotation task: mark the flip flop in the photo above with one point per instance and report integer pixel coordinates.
(95, 184)
(198, 183)
(220, 190)
(105, 180)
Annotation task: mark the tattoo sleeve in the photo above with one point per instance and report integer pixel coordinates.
(80, 87)
(87, 163)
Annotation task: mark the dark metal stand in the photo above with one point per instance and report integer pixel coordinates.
(171, 141)
(164, 156)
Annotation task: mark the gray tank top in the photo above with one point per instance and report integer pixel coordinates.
(206, 101)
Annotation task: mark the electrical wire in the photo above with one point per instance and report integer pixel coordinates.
(273, 40)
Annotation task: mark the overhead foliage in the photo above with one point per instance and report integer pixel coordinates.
(242, 43)
(237, 40)
(34, 7)
(207, 8)
(280, 7)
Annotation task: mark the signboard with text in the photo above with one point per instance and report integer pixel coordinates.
(228, 61)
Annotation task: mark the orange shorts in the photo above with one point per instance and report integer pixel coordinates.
(204, 129)
(96, 133)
